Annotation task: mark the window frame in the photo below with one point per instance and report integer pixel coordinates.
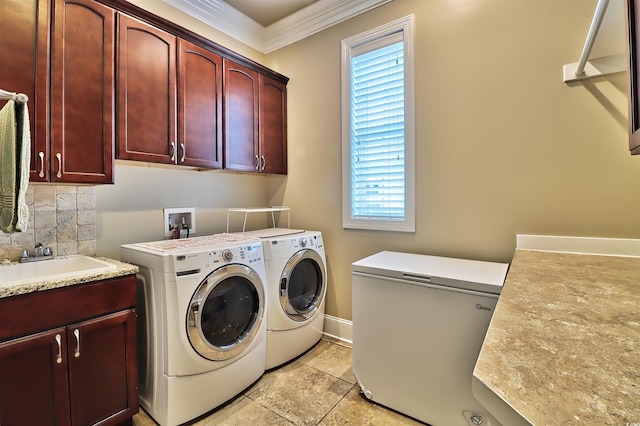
(404, 26)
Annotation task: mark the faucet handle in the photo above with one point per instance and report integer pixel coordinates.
(25, 253)
(48, 251)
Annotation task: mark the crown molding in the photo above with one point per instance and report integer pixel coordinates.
(224, 18)
(314, 18)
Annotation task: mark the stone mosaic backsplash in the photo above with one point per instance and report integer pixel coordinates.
(60, 217)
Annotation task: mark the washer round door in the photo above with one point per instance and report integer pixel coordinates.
(225, 312)
(302, 285)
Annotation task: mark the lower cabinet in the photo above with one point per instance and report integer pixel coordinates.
(81, 373)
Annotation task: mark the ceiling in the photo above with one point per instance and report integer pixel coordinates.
(266, 12)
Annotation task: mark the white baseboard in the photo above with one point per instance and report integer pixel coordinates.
(338, 328)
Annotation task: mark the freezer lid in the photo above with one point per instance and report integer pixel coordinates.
(459, 273)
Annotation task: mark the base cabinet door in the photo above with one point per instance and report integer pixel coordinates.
(99, 351)
(68, 356)
(34, 386)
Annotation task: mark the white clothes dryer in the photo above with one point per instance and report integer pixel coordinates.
(296, 286)
(201, 322)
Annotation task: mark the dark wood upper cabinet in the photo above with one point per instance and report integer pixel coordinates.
(60, 53)
(633, 38)
(146, 92)
(241, 118)
(82, 84)
(273, 126)
(24, 53)
(105, 77)
(199, 106)
(169, 98)
(255, 123)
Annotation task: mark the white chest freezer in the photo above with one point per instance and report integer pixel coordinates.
(418, 325)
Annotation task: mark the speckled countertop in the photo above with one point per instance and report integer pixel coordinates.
(121, 270)
(563, 347)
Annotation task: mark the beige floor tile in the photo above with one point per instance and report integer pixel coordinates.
(353, 409)
(331, 358)
(303, 395)
(143, 419)
(243, 411)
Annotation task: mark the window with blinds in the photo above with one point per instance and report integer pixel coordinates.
(377, 129)
(377, 133)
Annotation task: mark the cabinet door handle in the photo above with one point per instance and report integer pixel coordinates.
(59, 157)
(41, 155)
(76, 333)
(263, 162)
(173, 150)
(59, 342)
(257, 162)
(184, 152)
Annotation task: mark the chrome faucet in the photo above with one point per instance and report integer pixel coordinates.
(39, 253)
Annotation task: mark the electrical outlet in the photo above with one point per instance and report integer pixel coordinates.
(182, 218)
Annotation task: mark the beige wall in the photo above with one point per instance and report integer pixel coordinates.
(503, 146)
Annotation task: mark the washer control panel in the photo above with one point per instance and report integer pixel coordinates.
(189, 263)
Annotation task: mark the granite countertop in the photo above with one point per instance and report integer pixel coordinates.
(121, 270)
(563, 346)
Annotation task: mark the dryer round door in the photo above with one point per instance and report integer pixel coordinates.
(225, 312)
(302, 285)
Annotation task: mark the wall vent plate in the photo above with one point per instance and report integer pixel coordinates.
(178, 216)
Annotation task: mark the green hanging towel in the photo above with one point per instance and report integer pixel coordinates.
(23, 158)
(15, 155)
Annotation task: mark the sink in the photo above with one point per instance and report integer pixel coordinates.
(62, 267)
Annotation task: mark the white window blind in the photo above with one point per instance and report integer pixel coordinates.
(377, 126)
(378, 137)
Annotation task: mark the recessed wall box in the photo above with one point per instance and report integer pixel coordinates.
(183, 218)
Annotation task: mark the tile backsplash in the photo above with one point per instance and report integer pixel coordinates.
(60, 217)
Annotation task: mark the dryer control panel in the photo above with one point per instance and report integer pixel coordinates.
(287, 245)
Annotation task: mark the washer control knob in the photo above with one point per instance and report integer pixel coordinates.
(303, 241)
(227, 255)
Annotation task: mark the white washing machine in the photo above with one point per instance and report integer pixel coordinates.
(201, 322)
(296, 286)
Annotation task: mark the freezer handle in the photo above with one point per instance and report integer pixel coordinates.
(427, 284)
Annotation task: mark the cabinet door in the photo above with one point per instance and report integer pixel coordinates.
(102, 369)
(24, 68)
(199, 106)
(146, 92)
(34, 387)
(241, 118)
(273, 126)
(633, 33)
(82, 92)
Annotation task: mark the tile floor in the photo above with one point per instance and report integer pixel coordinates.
(317, 388)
